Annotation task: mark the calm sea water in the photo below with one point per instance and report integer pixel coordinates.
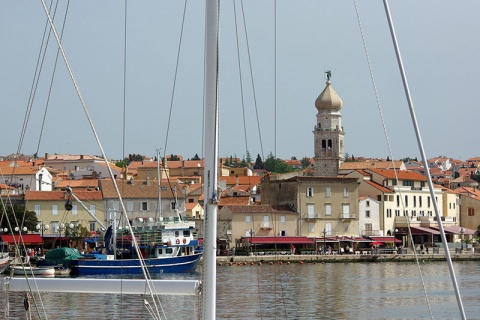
(310, 291)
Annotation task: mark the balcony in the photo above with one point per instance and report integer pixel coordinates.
(266, 225)
(368, 233)
(348, 216)
(312, 216)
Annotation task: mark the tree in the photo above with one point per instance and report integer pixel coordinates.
(17, 216)
(305, 162)
(196, 157)
(258, 163)
(249, 158)
(174, 157)
(293, 158)
(76, 235)
(277, 165)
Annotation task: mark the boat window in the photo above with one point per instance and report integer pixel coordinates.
(186, 233)
(168, 250)
(160, 251)
(176, 233)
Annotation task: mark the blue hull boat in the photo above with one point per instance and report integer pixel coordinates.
(180, 264)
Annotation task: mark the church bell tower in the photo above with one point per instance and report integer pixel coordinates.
(328, 133)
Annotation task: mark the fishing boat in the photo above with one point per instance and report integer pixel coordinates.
(170, 249)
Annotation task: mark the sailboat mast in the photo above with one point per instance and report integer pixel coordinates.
(211, 158)
(159, 204)
(424, 159)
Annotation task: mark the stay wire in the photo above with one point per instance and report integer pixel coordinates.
(53, 75)
(252, 81)
(379, 107)
(174, 84)
(77, 89)
(240, 77)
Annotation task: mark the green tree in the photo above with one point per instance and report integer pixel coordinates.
(196, 157)
(174, 157)
(293, 158)
(258, 163)
(121, 164)
(277, 165)
(17, 216)
(305, 162)
(249, 158)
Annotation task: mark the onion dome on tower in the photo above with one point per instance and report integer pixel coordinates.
(328, 132)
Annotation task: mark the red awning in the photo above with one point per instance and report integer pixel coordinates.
(385, 239)
(456, 230)
(27, 239)
(423, 230)
(279, 240)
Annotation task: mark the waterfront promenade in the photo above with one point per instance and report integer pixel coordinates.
(300, 258)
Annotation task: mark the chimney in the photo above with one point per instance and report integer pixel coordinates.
(132, 182)
(147, 181)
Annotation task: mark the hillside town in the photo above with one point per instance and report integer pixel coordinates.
(334, 202)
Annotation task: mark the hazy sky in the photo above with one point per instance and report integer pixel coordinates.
(438, 40)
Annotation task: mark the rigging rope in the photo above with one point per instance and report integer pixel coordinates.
(379, 107)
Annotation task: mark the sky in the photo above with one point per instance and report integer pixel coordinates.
(126, 73)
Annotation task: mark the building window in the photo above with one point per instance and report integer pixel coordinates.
(129, 206)
(54, 209)
(420, 201)
(328, 192)
(379, 197)
(74, 209)
(328, 209)
(311, 227)
(407, 183)
(283, 233)
(91, 225)
(345, 192)
(144, 206)
(190, 200)
(248, 219)
(398, 201)
(368, 203)
(471, 212)
(173, 205)
(310, 210)
(282, 219)
(367, 214)
(406, 201)
(37, 209)
(345, 211)
(92, 210)
(428, 202)
(414, 201)
(328, 228)
(55, 228)
(309, 192)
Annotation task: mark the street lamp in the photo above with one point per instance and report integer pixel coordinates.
(324, 241)
(42, 227)
(461, 240)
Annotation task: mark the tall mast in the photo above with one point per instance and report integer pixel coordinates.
(211, 158)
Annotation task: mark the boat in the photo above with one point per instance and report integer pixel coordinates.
(32, 270)
(168, 249)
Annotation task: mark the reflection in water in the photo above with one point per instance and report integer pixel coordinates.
(309, 291)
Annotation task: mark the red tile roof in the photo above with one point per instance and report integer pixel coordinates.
(402, 175)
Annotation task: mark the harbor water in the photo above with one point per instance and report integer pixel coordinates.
(381, 290)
